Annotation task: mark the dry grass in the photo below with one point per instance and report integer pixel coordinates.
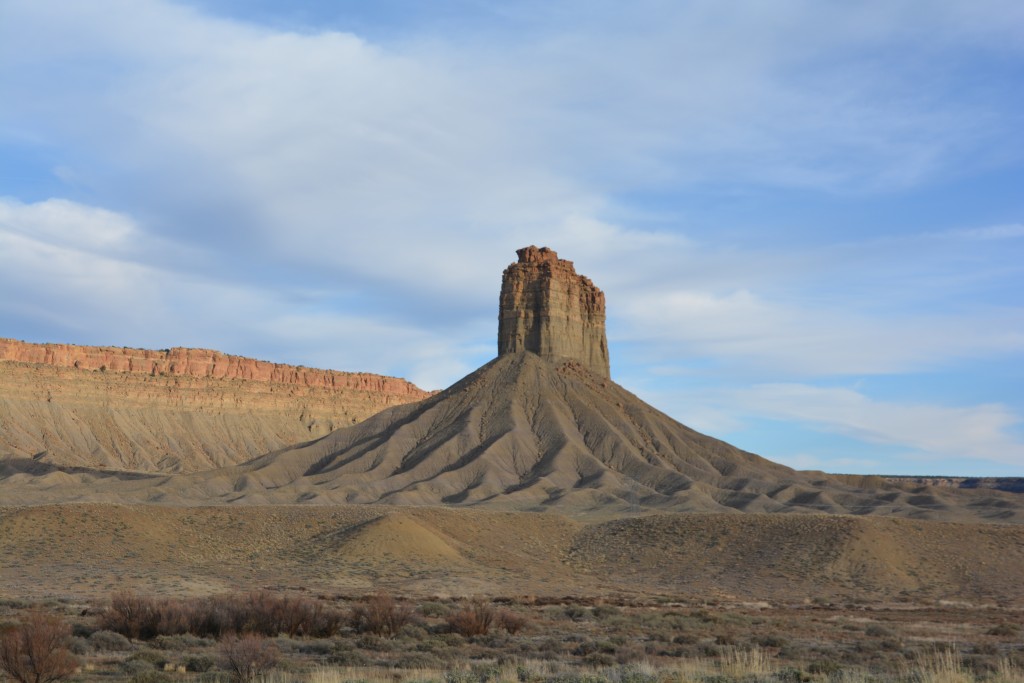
(738, 664)
(632, 641)
(733, 667)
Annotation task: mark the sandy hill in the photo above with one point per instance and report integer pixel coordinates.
(91, 550)
(176, 410)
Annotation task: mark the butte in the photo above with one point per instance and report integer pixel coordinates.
(543, 427)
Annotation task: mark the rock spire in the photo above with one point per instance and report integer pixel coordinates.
(547, 308)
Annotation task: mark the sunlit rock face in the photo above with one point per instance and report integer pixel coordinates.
(550, 310)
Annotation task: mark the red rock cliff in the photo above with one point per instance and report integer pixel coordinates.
(178, 410)
(547, 308)
(198, 363)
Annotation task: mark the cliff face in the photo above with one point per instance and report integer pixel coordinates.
(546, 308)
(197, 363)
(179, 410)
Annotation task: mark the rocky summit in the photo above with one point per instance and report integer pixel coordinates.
(549, 310)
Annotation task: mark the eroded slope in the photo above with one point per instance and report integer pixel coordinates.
(179, 410)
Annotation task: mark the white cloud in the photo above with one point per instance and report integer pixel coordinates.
(795, 337)
(55, 251)
(61, 222)
(329, 151)
(50, 258)
(993, 232)
(980, 431)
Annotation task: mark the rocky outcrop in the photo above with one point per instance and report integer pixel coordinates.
(176, 410)
(198, 363)
(548, 309)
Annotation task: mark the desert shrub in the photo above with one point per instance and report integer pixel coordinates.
(78, 646)
(772, 640)
(413, 632)
(981, 665)
(1004, 630)
(181, 641)
(319, 647)
(247, 657)
(157, 659)
(451, 639)
(136, 667)
(551, 645)
(824, 667)
(459, 676)
(271, 614)
(576, 612)
(151, 677)
(346, 654)
(632, 674)
(511, 621)
(380, 615)
(790, 674)
(630, 654)
(603, 612)
(709, 650)
(36, 649)
(493, 640)
(110, 641)
(475, 619)
(591, 646)
(417, 660)
(577, 677)
(878, 631)
(434, 609)
(374, 643)
(82, 630)
(892, 644)
(198, 663)
(131, 615)
(599, 659)
(260, 612)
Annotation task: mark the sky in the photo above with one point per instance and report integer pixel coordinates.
(807, 216)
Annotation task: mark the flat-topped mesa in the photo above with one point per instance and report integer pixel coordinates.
(200, 364)
(547, 308)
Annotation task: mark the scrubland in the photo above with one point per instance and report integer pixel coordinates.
(295, 637)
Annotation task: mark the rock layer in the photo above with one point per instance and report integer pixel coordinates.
(548, 309)
(199, 364)
(177, 410)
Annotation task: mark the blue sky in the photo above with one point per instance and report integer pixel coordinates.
(807, 216)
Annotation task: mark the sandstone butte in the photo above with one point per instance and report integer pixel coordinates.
(540, 427)
(546, 308)
(173, 410)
